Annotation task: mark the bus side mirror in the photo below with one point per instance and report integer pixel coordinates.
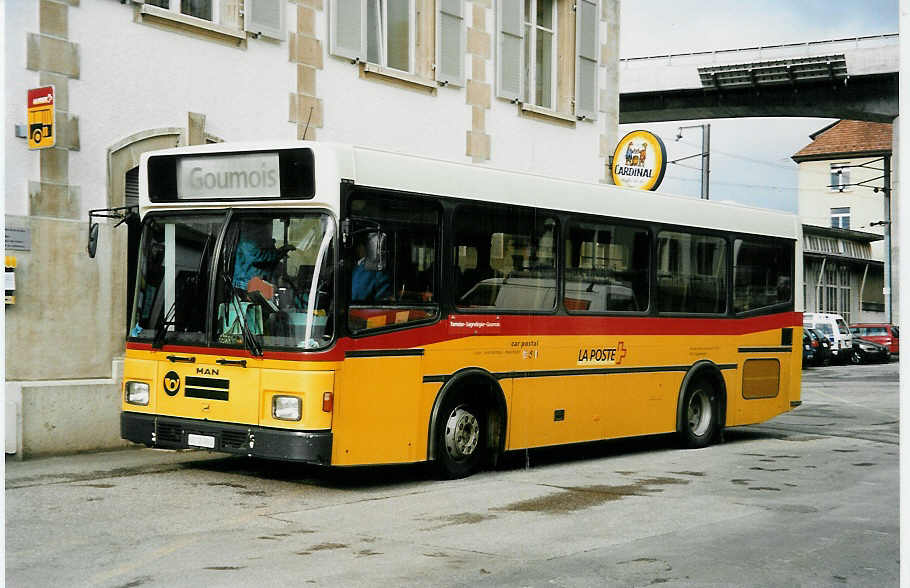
(377, 254)
(92, 239)
(123, 214)
(346, 232)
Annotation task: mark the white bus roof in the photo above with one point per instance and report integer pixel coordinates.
(367, 166)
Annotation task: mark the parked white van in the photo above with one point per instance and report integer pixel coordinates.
(835, 329)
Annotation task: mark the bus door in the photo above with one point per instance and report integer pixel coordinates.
(390, 279)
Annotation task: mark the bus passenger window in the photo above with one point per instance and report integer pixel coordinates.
(505, 259)
(691, 273)
(606, 268)
(762, 274)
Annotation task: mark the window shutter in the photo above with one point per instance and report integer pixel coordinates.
(509, 42)
(450, 36)
(348, 31)
(265, 17)
(587, 29)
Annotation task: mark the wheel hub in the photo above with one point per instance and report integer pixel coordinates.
(462, 433)
(699, 413)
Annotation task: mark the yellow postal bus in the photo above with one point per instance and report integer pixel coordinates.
(341, 306)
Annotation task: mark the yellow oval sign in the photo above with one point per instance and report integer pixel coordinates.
(639, 161)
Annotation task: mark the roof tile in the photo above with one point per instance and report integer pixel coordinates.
(848, 137)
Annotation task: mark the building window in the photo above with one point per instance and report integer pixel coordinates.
(232, 17)
(833, 293)
(530, 34)
(540, 53)
(840, 177)
(381, 32)
(390, 33)
(196, 8)
(840, 217)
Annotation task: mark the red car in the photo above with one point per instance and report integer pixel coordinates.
(887, 335)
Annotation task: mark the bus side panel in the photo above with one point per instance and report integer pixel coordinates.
(796, 373)
(555, 410)
(642, 404)
(377, 408)
(743, 410)
(748, 411)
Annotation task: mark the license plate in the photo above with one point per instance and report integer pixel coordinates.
(200, 441)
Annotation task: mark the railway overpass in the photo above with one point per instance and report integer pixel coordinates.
(855, 78)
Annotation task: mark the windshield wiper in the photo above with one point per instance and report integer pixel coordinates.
(166, 320)
(249, 340)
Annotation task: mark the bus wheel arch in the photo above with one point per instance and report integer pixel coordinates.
(468, 391)
(704, 391)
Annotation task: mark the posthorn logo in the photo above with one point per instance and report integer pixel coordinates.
(171, 383)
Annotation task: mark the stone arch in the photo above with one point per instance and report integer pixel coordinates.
(123, 156)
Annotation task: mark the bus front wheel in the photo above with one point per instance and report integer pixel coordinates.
(700, 414)
(460, 438)
(36, 136)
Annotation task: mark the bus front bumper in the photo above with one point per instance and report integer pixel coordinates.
(178, 433)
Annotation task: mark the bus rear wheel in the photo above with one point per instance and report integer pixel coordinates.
(700, 414)
(460, 438)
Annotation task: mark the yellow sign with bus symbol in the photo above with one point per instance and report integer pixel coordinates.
(41, 133)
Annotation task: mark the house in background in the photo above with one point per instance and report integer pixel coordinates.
(844, 218)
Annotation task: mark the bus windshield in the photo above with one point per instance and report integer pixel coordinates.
(272, 280)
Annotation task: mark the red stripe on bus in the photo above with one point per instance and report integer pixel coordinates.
(512, 326)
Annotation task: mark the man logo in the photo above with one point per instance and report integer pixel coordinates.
(171, 383)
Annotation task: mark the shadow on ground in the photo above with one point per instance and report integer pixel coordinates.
(364, 477)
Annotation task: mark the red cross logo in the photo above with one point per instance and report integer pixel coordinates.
(622, 352)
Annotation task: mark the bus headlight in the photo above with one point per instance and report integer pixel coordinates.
(286, 408)
(137, 393)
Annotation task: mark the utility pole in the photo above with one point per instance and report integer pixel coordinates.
(705, 159)
(887, 230)
(705, 155)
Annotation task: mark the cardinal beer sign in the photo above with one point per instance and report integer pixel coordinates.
(639, 161)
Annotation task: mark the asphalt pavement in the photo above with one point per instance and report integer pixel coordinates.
(809, 498)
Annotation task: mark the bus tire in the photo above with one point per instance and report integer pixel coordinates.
(700, 414)
(36, 136)
(461, 433)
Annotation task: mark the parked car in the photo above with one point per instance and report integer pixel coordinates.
(869, 351)
(887, 335)
(822, 346)
(809, 349)
(835, 329)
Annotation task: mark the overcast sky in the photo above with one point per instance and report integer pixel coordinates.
(750, 158)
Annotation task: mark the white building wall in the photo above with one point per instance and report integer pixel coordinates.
(21, 164)
(378, 113)
(137, 76)
(866, 206)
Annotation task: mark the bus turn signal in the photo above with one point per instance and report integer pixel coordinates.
(327, 401)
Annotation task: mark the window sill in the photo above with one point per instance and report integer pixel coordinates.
(169, 18)
(410, 80)
(545, 113)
